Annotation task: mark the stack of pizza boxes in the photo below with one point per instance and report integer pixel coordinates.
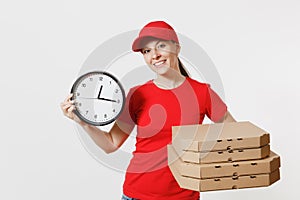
(222, 156)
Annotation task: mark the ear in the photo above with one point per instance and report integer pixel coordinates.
(178, 47)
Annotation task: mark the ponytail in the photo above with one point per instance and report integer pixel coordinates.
(182, 69)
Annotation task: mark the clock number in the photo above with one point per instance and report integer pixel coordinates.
(109, 82)
(86, 112)
(83, 85)
(116, 91)
(118, 101)
(95, 116)
(91, 79)
(114, 110)
(105, 115)
(78, 94)
(77, 104)
(100, 78)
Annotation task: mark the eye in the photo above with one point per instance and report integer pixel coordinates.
(145, 51)
(161, 46)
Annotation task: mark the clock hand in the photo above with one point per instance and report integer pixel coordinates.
(100, 91)
(97, 98)
(86, 98)
(107, 99)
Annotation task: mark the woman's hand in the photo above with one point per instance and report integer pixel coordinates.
(68, 107)
(227, 118)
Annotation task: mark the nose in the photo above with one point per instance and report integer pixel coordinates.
(155, 54)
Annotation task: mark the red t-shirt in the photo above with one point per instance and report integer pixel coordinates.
(155, 111)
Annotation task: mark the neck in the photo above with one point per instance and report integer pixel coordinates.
(169, 80)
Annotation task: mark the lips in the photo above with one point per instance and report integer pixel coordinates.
(159, 63)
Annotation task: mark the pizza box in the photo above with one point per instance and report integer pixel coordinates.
(219, 136)
(219, 183)
(247, 167)
(227, 183)
(225, 156)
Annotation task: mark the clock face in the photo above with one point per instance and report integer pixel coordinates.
(99, 98)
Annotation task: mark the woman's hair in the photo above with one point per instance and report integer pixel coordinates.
(182, 69)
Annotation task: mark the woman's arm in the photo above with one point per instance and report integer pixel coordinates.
(227, 118)
(108, 141)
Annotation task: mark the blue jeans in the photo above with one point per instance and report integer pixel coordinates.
(124, 197)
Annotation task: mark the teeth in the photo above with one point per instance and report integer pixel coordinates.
(158, 63)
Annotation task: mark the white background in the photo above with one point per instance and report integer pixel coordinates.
(254, 45)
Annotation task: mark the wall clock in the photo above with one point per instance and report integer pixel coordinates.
(99, 98)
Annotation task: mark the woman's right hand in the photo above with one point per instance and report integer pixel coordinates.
(68, 107)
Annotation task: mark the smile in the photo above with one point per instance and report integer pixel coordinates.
(157, 64)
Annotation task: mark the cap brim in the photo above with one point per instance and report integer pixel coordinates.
(140, 42)
(136, 47)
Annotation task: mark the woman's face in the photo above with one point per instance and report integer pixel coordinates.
(161, 56)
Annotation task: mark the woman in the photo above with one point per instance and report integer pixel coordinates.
(171, 99)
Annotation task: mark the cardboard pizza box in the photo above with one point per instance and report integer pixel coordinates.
(225, 156)
(227, 183)
(220, 183)
(248, 167)
(219, 136)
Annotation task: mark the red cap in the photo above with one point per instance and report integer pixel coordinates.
(156, 29)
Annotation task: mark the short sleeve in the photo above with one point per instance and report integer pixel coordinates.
(215, 107)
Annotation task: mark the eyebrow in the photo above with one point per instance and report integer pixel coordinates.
(158, 41)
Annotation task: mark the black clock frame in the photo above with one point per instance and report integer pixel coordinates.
(75, 85)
